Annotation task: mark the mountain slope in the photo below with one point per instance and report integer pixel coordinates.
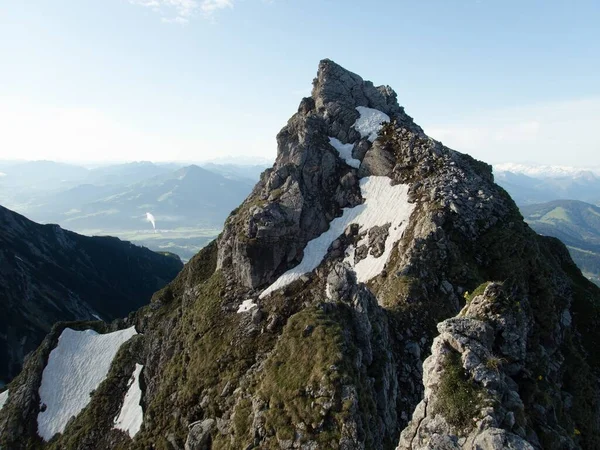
(307, 323)
(48, 274)
(575, 223)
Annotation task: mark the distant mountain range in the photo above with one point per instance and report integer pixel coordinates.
(538, 184)
(189, 203)
(575, 223)
(188, 197)
(545, 170)
(48, 274)
(129, 173)
(240, 172)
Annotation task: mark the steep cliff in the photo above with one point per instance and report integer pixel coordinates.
(366, 250)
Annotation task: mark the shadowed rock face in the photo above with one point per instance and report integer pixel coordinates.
(477, 333)
(48, 275)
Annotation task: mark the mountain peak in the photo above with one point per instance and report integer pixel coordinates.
(327, 148)
(193, 170)
(335, 83)
(336, 88)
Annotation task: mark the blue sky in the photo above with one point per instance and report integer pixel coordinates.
(91, 80)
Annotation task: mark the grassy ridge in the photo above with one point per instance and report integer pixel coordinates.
(575, 223)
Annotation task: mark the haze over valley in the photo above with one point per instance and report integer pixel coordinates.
(189, 203)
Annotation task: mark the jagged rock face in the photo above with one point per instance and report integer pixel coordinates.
(307, 324)
(488, 340)
(48, 275)
(309, 184)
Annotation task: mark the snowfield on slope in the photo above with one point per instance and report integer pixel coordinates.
(76, 366)
(345, 152)
(383, 204)
(131, 416)
(370, 122)
(3, 398)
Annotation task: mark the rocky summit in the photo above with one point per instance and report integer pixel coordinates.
(376, 290)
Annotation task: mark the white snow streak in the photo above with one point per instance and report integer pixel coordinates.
(383, 204)
(370, 122)
(131, 416)
(246, 306)
(345, 151)
(76, 367)
(3, 398)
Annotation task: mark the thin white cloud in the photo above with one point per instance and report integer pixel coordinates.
(182, 11)
(210, 6)
(176, 19)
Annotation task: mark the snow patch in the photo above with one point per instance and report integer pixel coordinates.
(3, 398)
(345, 151)
(383, 204)
(370, 267)
(246, 306)
(370, 122)
(131, 416)
(76, 367)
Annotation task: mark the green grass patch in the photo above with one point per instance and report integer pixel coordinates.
(479, 290)
(303, 371)
(557, 214)
(459, 398)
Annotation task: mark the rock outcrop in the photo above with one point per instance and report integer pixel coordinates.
(471, 401)
(334, 309)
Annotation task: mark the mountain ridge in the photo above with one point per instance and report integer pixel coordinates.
(576, 224)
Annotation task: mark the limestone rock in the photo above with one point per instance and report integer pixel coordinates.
(199, 437)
